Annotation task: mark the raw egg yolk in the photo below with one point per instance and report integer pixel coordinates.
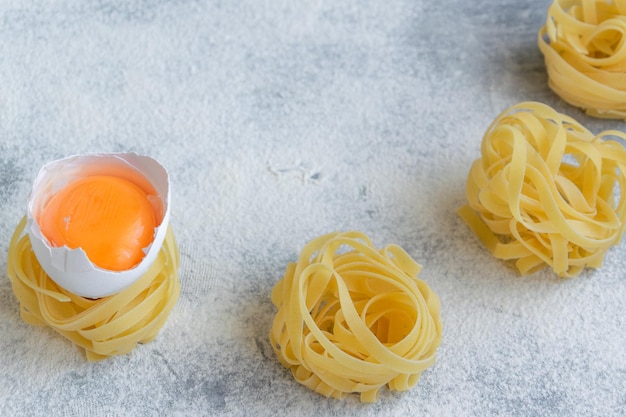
(110, 218)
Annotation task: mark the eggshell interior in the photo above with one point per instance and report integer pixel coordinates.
(71, 268)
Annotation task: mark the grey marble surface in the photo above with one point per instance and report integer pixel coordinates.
(280, 121)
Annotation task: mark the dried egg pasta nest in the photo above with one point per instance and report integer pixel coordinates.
(584, 46)
(352, 318)
(543, 192)
(103, 327)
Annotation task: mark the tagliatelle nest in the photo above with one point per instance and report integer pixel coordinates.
(105, 326)
(352, 318)
(543, 191)
(584, 45)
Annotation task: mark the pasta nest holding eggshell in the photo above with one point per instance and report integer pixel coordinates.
(103, 327)
(352, 318)
(543, 191)
(584, 46)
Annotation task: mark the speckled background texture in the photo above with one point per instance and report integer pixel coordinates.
(280, 121)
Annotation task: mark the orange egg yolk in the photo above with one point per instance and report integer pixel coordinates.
(110, 218)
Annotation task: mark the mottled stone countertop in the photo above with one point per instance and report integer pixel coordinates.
(280, 121)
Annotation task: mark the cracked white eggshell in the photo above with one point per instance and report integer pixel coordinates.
(71, 268)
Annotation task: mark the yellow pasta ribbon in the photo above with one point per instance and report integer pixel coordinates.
(103, 327)
(352, 318)
(584, 46)
(543, 191)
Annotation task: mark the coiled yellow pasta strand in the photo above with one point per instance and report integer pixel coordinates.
(103, 327)
(543, 191)
(355, 320)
